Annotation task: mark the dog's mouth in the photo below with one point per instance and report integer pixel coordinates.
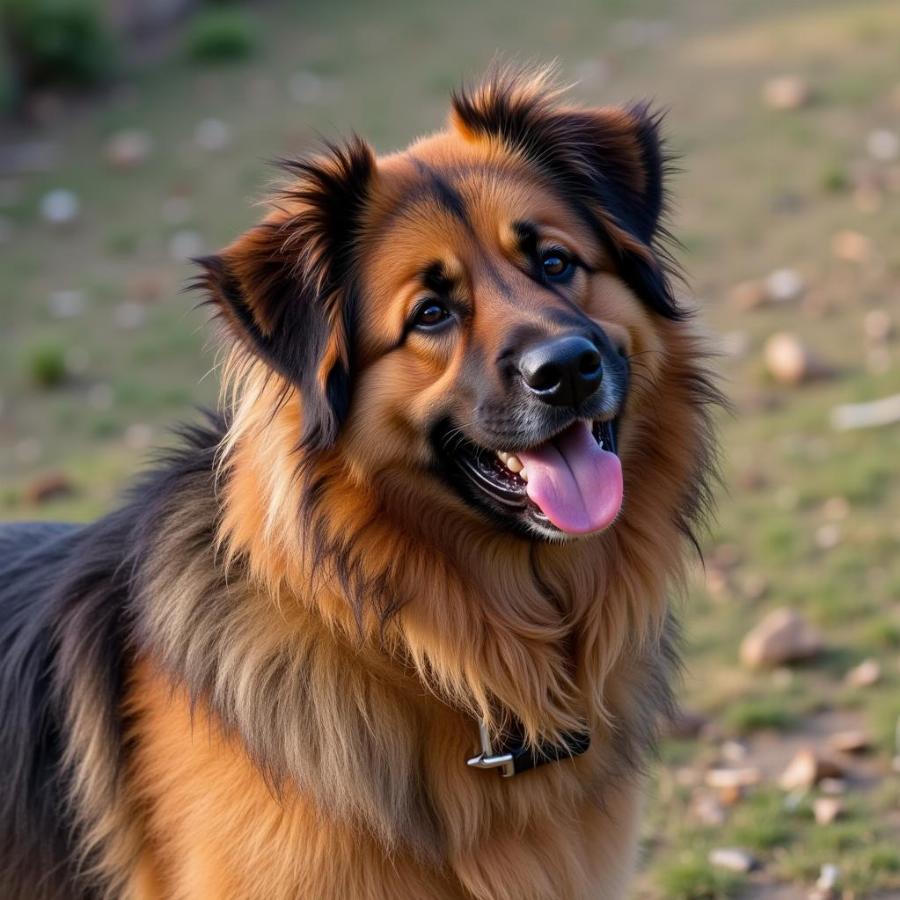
(570, 484)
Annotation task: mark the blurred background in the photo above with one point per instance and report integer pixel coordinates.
(134, 134)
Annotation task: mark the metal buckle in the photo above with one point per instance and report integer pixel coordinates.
(486, 759)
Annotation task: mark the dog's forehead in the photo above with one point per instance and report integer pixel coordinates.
(447, 195)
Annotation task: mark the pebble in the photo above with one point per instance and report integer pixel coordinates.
(60, 207)
(829, 876)
(807, 769)
(883, 145)
(48, 487)
(790, 361)
(783, 636)
(138, 436)
(851, 246)
(854, 740)
(786, 92)
(129, 315)
(128, 149)
(212, 135)
(836, 508)
(828, 536)
(865, 674)
(827, 809)
(785, 285)
(735, 859)
(66, 304)
(708, 810)
(748, 295)
(746, 776)
(186, 244)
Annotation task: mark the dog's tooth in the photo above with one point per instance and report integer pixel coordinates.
(502, 454)
(514, 464)
(524, 475)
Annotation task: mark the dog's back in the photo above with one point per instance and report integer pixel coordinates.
(35, 836)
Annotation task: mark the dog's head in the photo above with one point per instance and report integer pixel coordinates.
(475, 310)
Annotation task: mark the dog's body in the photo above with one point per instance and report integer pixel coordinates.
(263, 677)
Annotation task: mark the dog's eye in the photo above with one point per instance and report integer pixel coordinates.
(557, 265)
(431, 314)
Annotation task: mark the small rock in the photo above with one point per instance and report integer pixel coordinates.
(865, 674)
(753, 586)
(828, 536)
(128, 149)
(48, 487)
(833, 787)
(878, 325)
(783, 636)
(735, 859)
(66, 304)
(854, 740)
(851, 246)
(827, 809)
(146, 287)
(708, 810)
(786, 92)
(828, 877)
(836, 509)
(789, 361)
(883, 145)
(785, 286)
(733, 752)
(746, 776)
(129, 315)
(807, 769)
(748, 295)
(212, 135)
(138, 436)
(185, 245)
(60, 207)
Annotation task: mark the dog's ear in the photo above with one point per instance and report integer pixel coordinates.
(285, 287)
(608, 162)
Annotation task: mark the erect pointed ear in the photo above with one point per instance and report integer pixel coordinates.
(609, 163)
(285, 288)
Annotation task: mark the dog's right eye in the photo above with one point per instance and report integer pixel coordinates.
(430, 315)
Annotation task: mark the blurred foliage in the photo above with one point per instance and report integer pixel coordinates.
(60, 43)
(47, 365)
(221, 34)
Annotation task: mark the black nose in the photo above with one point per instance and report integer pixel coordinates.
(562, 371)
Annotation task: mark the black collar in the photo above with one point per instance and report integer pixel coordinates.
(514, 756)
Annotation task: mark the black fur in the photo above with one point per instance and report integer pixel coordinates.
(590, 163)
(65, 627)
(286, 287)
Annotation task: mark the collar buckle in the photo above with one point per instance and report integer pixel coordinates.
(487, 760)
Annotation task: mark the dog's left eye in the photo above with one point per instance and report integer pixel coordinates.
(430, 315)
(557, 265)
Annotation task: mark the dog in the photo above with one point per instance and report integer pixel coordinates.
(393, 623)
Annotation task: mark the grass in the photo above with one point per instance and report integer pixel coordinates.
(758, 190)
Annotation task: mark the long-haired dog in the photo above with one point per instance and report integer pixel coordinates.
(395, 624)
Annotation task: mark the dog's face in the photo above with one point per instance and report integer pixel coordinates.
(470, 311)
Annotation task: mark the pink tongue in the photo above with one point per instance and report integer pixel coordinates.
(577, 486)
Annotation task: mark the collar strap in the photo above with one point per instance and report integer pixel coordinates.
(514, 756)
